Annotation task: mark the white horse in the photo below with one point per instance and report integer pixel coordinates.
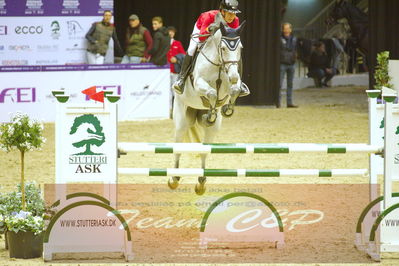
(211, 90)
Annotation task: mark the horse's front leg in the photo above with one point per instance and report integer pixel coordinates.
(205, 90)
(228, 109)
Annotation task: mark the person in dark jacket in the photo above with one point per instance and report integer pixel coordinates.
(99, 36)
(320, 68)
(138, 42)
(161, 43)
(287, 62)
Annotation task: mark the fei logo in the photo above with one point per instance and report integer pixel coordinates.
(86, 132)
(3, 30)
(116, 88)
(18, 95)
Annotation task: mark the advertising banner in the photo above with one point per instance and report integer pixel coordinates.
(48, 32)
(166, 226)
(144, 89)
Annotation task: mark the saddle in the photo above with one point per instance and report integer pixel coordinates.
(195, 56)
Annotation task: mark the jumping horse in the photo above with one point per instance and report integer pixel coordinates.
(210, 92)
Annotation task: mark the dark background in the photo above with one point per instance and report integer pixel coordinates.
(260, 37)
(384, 30)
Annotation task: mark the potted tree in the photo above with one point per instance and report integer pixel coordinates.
(381, 75)
(24, 223)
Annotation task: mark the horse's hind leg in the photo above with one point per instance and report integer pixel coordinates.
(210, 133)
(200, 187)
(184, 118)
(173, 182)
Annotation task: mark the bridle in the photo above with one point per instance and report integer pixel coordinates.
(222, 65)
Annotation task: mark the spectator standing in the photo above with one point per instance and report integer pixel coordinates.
(138, 42)
(161, 43)
(99, 36)
(287, 62)
(320, 67)
(175, 56)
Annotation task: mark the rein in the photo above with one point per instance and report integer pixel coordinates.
(220, 65)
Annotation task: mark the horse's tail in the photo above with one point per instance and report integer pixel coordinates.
(195, 134)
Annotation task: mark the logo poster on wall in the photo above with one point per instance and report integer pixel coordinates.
(3, 10)
(58, 24)
(87, 143)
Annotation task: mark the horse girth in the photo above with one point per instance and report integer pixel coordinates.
(205, 101)
(219, 103)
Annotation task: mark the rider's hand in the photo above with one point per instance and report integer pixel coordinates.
(173, 60)
(212, 28)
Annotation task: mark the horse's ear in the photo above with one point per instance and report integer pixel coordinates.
(222, 29)
(340, 2)
(242, 26)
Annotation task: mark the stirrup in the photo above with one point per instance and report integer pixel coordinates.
(244, 90)
(177, 87)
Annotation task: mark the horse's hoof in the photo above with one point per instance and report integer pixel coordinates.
(212, 95)
(227, 111)
(199, 189)
(173, 182)
(206, 122)
(244, 90)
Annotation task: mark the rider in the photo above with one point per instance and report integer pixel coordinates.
(208, 23)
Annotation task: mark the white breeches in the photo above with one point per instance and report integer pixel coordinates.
(193, 42)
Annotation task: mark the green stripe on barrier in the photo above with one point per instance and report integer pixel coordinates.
(325, 173)
(271, 150)
(158, 172)
(336, 150)
(260, 173)
(165, 149)
(218, 172)
(229, 149)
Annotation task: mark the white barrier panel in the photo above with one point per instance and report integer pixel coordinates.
(144, 89)
(86, 143)
(394, 73)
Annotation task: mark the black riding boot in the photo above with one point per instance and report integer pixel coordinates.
(178, 86)
(244, 88)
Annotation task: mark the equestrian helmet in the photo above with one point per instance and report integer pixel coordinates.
(230, 6)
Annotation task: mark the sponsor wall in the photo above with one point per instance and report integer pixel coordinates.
(48, 32)
(43, 47)
(144, 89)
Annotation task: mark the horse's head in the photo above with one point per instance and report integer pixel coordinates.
(230, 51)
(339, 11)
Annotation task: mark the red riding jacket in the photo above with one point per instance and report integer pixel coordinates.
(207, 18)
(175, 48)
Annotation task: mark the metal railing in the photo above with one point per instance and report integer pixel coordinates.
(318, 28)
